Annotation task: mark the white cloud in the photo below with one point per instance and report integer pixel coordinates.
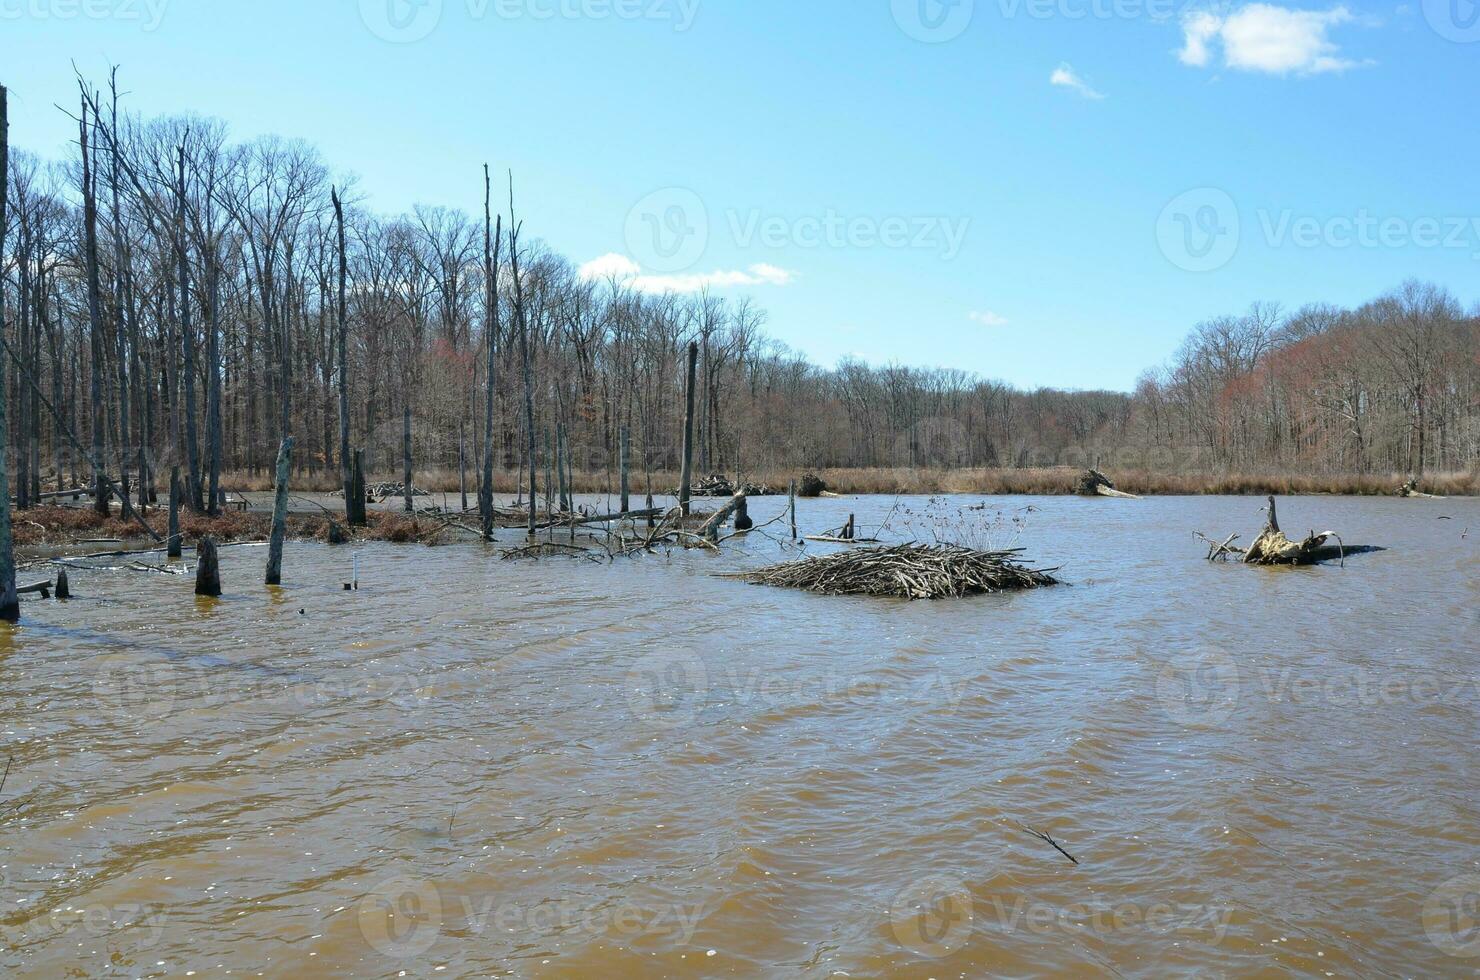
(614, 265)
(987, 318)
(1261, 37)
(1065, 76)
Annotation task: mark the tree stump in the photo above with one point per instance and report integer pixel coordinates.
(64, 588)
(207, 568)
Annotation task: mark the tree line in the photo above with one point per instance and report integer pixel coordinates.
(177, 301)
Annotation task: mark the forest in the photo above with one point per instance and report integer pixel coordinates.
(172, 298)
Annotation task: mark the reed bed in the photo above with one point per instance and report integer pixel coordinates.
(906, 571)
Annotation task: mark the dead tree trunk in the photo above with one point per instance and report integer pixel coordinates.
(10, 606)
(406, 488)
(207, 567)
(686, 473)
(172, 531)
(791, 496)
(94, 310)
(624, 454)
(462, 467)
(521, 319)
(492, 241)
(357, 492)
(279, 514)
(346, 476)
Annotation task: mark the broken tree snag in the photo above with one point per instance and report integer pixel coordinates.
(64, 588)
(652, 512)
(1096, 484)
(742, 515)
(1271, 547)
(709, 530)
(686, 475)
(357, 497)
(172, 545)
(791, 494)
(811, 485)
(337, 533)
(207, 568)
(624, 461)
(279, 514)
(406, 456)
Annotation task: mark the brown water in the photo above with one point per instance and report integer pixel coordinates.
(474, 767)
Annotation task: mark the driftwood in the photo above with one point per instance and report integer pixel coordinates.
(811, 485)
(1410, 489)
(1272, 547)
(709, 530)
(908, 571)
(42, 588)
(601, 519)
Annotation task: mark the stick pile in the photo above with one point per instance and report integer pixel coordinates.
(907, 571)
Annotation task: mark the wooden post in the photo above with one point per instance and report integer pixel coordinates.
(624, 458)
(406, 456)
(651, 523)
(207, 565)
(172, 543)
(279, 515)
(791, 494)
(357, 491)
(64, 588)
(10, 604)
(686, 475)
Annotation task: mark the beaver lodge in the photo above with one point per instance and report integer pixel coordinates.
(906, 571)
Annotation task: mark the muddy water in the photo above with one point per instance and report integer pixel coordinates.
(474, 767)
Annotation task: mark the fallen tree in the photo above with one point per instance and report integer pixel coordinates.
(1093, 483)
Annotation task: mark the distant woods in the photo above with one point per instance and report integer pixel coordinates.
(177, 299)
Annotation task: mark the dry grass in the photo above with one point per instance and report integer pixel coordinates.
(1040, 481)
(55, 526)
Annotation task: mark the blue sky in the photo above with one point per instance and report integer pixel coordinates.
(1049, 192)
